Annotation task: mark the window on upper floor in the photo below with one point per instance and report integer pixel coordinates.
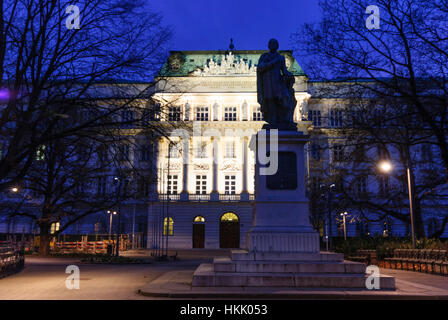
(257, 115)
(315, 117)
(200, 149)
(201, 184)
(101, 185)
(127, 119)
(145, 153)
(230, 149)
(172, 185)
(383, 185)
(230, 113)
(338, 152)
(174, 113)
(230, 184)
(315, 151)
(426, 152)
(174, 150)
(202, 114)
(123, 152)
(335, 118)
(361, 185)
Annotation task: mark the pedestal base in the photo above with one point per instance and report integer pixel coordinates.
(281, 242)
(299, 270)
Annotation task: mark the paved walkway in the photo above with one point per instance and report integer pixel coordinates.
(44, 278)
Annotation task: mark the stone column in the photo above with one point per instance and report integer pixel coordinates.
(185, 158)
(214, 196)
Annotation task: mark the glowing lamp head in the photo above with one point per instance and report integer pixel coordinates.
(15, 189)
(385, 166)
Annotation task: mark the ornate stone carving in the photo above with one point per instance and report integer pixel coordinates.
(201, 167)
(230, 167)
(228, 65)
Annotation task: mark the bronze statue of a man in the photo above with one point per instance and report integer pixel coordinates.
(275, 89)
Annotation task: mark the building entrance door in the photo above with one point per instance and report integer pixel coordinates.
(229, 231)
(198, 232)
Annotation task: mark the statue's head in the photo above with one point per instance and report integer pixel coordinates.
(273, 45)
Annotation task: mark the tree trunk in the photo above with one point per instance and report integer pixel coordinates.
(44, 242)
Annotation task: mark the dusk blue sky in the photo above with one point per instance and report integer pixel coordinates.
(209, 24)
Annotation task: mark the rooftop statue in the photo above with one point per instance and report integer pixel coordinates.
(275, 90)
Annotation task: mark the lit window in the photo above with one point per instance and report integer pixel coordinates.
(230, 184)
(174, 113)
(201, 150)
(173, 182)
(40, 153)
(202, 114)
(230, 149)
(199, 219)
(230, 113)
(335, 116)
(55, 227)
(201, 184)
(257, 115)
(170, 227)
(315, 117)
(229, 216)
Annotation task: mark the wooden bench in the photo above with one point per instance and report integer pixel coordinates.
(422, 260)
(365, 256)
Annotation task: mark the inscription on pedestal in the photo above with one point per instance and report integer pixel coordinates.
(286, 176)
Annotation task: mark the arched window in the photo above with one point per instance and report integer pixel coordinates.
(229, 216)
(170, 227)
(199, 219)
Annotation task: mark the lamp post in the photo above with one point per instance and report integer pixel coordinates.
(328, 224)
(344, 216)
(386, 167)
(111, 213)
(118, 181)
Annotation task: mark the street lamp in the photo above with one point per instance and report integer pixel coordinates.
(386, 167)
(344, 215)
(15, 189)
(330, 191)
(111, 213)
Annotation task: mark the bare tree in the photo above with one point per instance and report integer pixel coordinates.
(405, 58)
(50, 66)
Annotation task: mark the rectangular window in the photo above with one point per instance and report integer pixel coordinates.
(145, 153)
(335, 116)
(338, 153)
(360, 153)
(123, 152)
(201, 150)
(361, 185)
(230, 149)
(202, 114)
(315, 152)
(230, 113)
(201, 184)
(230, 184)
(173, 183)
(383, 182)
(257, 115)
(101, 185)
(127, 119)
(315, 117)
(174, 150)
(143, 187)
(174, 113)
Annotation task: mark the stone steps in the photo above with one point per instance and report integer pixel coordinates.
(205, 276)
(225, 264)
(243, 255)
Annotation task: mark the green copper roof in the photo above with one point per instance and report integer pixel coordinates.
(184, 63)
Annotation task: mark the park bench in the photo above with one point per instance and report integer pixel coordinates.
(11, 261)
(365, 256)
(423, 260)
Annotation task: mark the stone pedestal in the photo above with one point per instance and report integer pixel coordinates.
(281, 219)
(282, 247)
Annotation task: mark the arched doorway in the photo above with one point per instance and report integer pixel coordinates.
(198, 232)
(229, 231)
